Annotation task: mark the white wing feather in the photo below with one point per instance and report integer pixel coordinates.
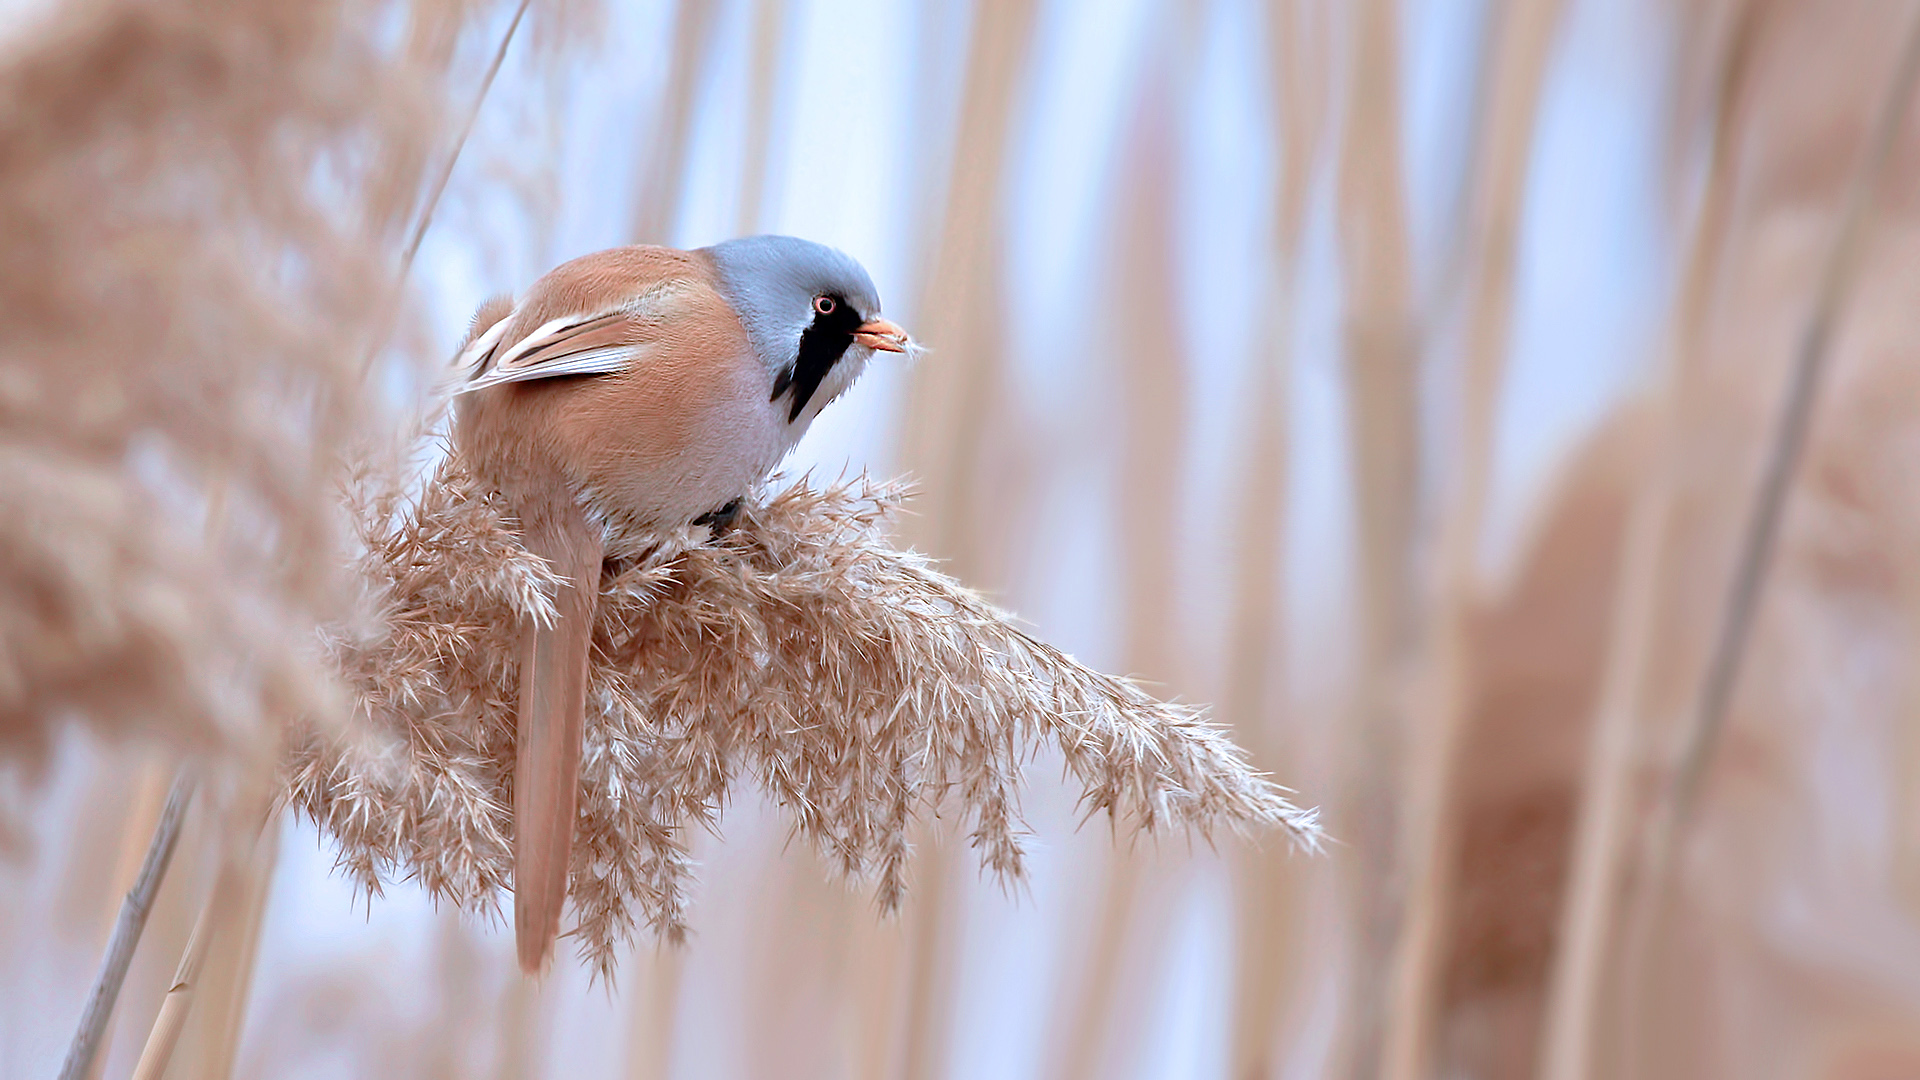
(606, 360)
(488, 369)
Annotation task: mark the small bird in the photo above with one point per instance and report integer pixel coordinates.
(632, 390)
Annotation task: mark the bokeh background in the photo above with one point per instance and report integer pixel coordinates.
(1398, 377)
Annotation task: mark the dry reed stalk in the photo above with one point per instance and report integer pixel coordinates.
(876, 1037)
(1457, 252)
(1266, 907)
(1536, 652)
(223, 906)
(458, 964)
(1429, 819)
(1088, 1014)
(657, 201)
(108, 843)
(840, 1046)
(1256, 683)
(651, 1016)
(951, 402)
(1906, 868)
(872, 1028)
(1382, 353)
(856, 685)
(178, 1002)
(86, 888)
(951, 410)
(1575, 995)
(769, 18)
(1759, 537)
(1152, 455)
(213, 1039)
(796, 1002)
(933, 931)
(433, 32)
(861, 1035)
(424, 220)
(518, 1027)
(98, 1010)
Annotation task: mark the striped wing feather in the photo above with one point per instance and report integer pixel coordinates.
(595, 345)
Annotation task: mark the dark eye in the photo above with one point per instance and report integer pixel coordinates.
(825, 305)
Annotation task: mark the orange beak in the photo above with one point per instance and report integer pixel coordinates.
(881, 335)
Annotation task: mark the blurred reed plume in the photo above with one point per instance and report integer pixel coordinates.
(181, 369)
(855, 683)
(202, 201)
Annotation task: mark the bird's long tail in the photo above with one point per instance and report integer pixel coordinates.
(553, 698)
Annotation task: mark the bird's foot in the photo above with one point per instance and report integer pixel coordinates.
(719, 521)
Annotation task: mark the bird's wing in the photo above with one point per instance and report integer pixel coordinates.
(605, 339)
(592, 345)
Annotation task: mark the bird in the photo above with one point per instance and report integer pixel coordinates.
(629, 391)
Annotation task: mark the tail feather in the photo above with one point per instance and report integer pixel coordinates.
(553, 699)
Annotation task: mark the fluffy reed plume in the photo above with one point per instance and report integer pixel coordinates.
(184, 327)
(855, 683)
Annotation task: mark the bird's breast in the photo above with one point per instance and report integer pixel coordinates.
(686, 428)
(667, 442)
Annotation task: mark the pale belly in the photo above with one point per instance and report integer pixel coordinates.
(671, 470)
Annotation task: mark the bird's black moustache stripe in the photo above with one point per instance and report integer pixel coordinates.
(822, 345)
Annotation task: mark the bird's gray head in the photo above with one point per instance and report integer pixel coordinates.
(811, 313)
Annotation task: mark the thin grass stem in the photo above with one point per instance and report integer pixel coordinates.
(126, 931)
(445, 175)
(1382, 350)
(657, 202)
(1760, 537)
(1590, 900)
(384, 328)
(1430, 821)
(178, 1002)
(230, 886)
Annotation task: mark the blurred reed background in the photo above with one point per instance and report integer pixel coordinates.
(1400, 377)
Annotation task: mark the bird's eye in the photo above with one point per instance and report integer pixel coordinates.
(825, 305)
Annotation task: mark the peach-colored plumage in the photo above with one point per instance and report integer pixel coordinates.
(624, 394)
(666, 440)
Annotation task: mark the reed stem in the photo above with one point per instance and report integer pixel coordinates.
(1590, 899)
(459, 144)
(178, 1002)
(239, 867)
(126, 932)
(1760, 537)
(1430, 819)
(1382, 436)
